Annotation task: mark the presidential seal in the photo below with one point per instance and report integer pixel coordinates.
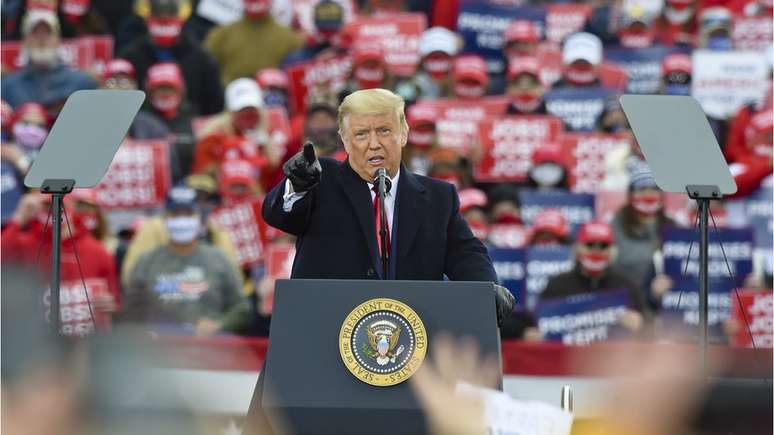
(382, 342)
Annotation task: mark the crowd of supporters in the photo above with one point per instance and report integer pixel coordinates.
(526, 124)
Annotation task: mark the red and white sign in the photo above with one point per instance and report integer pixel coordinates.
(88, 53)
(507, 144)
(138, 177)
(757, 308)
(586, 153)
(724, 81)
(457, 125)
(74, 310)
(317, 77)
(398, 34)
(279, 260)
(245, 226)
(752, 33)
(508, 235)
(564, 19)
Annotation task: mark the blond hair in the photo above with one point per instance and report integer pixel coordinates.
(373, 102)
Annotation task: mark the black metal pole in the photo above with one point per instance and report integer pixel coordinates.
(383, 230)
(56, 240)
(703, 282)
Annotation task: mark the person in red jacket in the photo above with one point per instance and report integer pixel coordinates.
(749, 149)
(26, 240)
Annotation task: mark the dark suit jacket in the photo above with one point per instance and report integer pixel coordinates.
(335, 225)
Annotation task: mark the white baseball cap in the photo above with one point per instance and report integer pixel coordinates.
(438, 39)
(35, 16)
(582, 46)
(242, 93)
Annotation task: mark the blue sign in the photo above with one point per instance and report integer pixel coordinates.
(584, 318)
(737, 244)
(579, 108)
(11, 190)
(642, 66)
(483, 22)
(759, 207)
(510, 268)
(576, 207)
(680, 311)
(543, 262)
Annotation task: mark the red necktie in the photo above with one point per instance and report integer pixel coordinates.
(377, 219)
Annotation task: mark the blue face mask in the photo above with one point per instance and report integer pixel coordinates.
(677, 90)
(719, 43)
(274, 98)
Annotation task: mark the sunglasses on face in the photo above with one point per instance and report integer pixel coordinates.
(601, 246)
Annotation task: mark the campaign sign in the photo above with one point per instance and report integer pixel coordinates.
(457, 125)
(759, 208)
(507, 144)
(481, 23)
(316, 76)
(576, 207)
(510, 268)
(244, 224)
(724, 81)
(588, 152)
(564, 19)
(642, 66)
(737, 244)
(756, 309)
(398, 35)
(679, 312)
(508, 235)
(543, 262)
(75, 315)
(582, 319)
(138, 177)
(88, 53)
(752, 33)
(579, 108)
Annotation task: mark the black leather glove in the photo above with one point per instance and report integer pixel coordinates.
(504, 301)
(303, 169)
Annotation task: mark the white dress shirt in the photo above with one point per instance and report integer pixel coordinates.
(290, 197)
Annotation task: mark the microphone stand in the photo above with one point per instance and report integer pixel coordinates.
(384, 184)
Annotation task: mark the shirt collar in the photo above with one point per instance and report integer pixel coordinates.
(393, 187)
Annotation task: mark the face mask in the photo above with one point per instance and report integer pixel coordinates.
(274, 98)
(547, 174)
(580, 75)
(594, 263)
(646, 204)
(422, 139)
(677, 90)
(468, 91)
(720, 43)
(43, 56)
(255, 9)
(526, 102)
(508, 218)
(479, 229)
(678, 16)
(246, 120)
(164, 31)
(635, 39)
(437, 67)
(167, 105)
(369, 77)
(183, 229)
(74, 10)
(29, 136)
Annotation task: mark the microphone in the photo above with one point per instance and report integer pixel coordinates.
(382, 181)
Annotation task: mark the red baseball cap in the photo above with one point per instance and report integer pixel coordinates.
(677, 62)
(421, 114)
(25, 108)
(470, 67)
(596, 231)
(119, 66)
(272, 78)
(523, 65)
(164, 74)
(470, 198)
(552, 221)
(549, 152)
(521, 31)
(237, 171)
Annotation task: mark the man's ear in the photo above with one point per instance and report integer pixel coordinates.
(404, 137)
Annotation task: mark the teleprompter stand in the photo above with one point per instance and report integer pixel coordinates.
(77, 153)
(684, 155)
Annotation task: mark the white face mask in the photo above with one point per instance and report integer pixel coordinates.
(44, 57)
(678, 16)
(183, 229)
(547, 174)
